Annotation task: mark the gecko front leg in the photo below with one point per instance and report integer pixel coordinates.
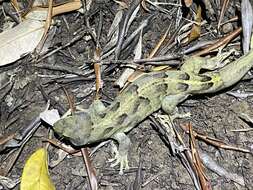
(121, 152)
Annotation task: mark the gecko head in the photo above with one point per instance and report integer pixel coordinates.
(77, 129)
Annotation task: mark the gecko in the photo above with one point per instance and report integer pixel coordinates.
(146, 95)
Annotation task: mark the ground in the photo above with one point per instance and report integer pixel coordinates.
(211, 114)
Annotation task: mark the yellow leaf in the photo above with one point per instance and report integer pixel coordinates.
(35, 174)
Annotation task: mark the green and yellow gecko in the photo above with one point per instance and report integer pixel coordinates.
(146, 95)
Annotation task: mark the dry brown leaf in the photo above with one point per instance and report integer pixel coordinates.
(196, 28)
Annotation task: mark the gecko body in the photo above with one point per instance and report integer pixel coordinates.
(146, 95)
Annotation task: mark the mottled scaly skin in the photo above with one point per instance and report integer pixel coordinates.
(148, 94)
(139, 100)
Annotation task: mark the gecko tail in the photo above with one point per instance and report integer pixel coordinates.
(233, 72)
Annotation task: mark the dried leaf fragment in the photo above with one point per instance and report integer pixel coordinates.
(20, 40)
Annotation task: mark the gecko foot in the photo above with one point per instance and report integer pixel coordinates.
(180, 115)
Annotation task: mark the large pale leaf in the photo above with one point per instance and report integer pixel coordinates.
(20, 40)
(35, 174)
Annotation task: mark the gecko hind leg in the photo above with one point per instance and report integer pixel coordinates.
(169, 105)
(194, 64)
